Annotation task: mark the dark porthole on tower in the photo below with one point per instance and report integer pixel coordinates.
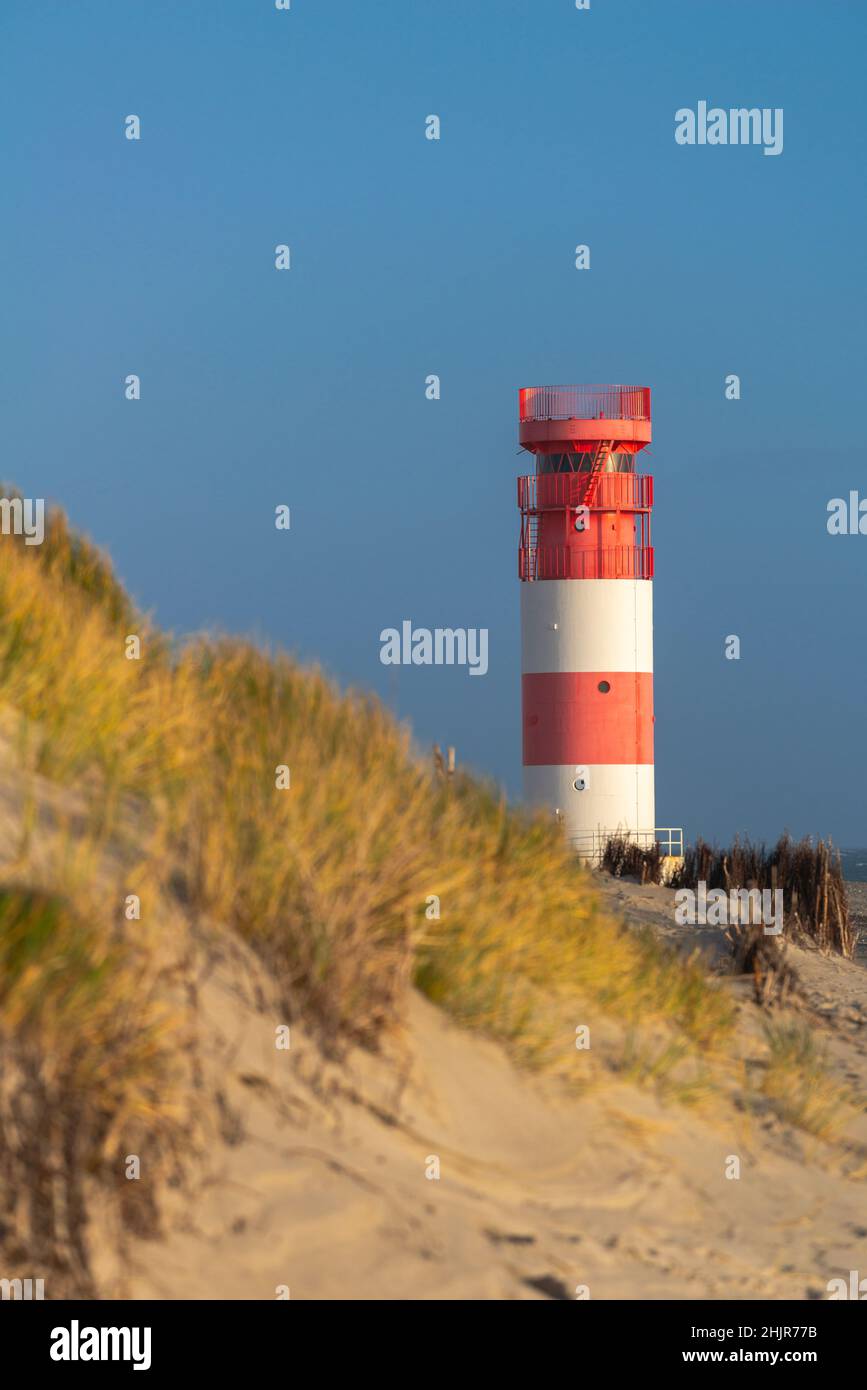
(604, 687)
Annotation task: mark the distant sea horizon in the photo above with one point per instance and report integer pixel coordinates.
(854, 865)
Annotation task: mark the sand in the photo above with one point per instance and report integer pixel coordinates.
(316, 1179)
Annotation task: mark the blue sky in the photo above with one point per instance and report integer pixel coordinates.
(456, 257)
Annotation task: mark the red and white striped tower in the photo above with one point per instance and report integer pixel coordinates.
(586, 565)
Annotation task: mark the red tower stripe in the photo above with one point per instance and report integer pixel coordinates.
(568, 719)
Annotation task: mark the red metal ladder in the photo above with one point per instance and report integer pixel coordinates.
(600, 458)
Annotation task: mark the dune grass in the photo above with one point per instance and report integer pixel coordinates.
(799, 1084)
(88, 1070)
(328, 876)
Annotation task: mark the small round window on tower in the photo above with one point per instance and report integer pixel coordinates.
(604, 687)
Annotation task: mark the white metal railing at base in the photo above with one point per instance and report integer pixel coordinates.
(591, 843)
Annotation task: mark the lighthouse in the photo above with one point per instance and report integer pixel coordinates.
(585, 563)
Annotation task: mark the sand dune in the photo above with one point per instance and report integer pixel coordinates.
(300, 1172)
(313, 1174)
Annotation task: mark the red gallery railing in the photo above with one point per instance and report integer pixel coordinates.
(584, 403)
(565, 562)
(631, 492)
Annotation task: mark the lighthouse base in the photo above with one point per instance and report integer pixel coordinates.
(609, 799)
